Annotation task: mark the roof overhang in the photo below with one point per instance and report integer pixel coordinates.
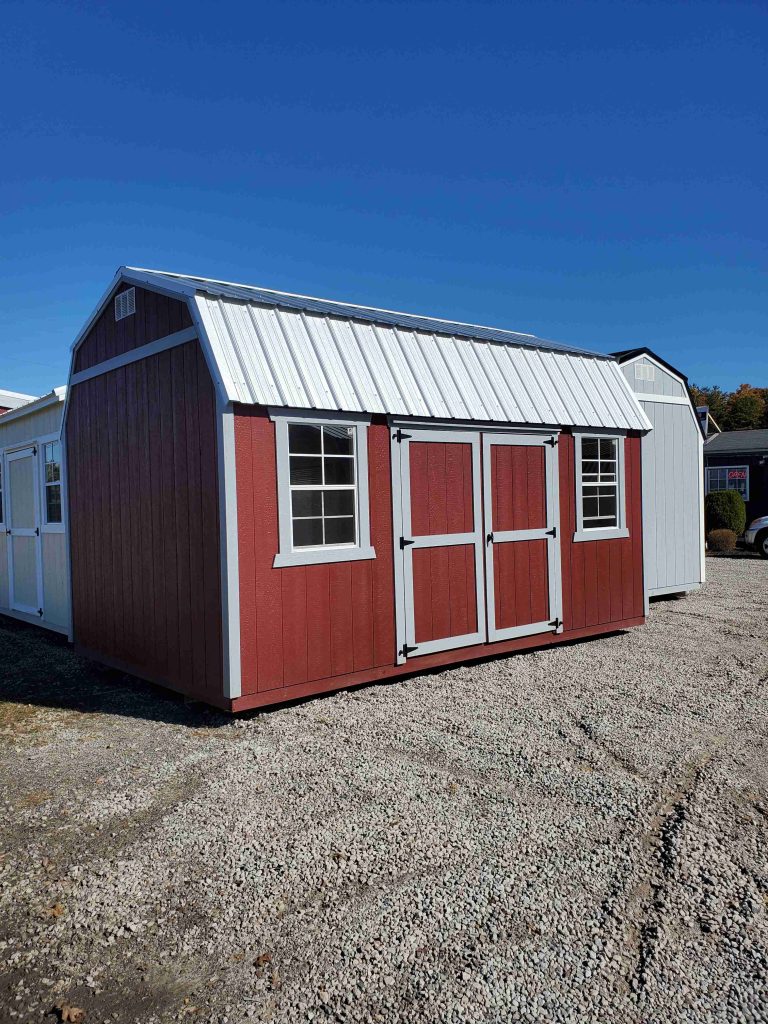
(52, 398)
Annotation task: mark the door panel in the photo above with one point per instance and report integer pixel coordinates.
(441, 548)
(444, 592)
(521, 590)
(21, 478)
(519, 492)
(24, 575)
(522, 546)
(23, 532)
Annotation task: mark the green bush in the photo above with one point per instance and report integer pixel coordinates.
(722, 540)
(725, 510)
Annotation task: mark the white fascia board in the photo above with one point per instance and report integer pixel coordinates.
(635, 398)
(57, 395)
(214, 356)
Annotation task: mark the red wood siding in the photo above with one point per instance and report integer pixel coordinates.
(141, 453)
(521, 585)
(311, 629)
(444, 592)
(309, 622)
(156, 316)
(519, 487)
(602, 579)
(441, 488)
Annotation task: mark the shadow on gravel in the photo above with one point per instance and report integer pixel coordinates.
(40, 668)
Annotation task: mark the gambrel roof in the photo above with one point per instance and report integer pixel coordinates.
(278, 349)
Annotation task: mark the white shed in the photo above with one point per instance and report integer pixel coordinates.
(673, 475)
(34, 577)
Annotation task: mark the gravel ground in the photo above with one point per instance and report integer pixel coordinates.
(576, 834)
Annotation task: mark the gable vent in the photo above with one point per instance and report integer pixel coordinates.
(644, 371)
(125, 304)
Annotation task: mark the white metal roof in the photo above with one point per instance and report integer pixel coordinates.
(12, 399)
(272, 348)
(33, 405)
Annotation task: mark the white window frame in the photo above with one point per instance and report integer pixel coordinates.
(45, 526)
(601, 532)
(708, 490)
(362, 549)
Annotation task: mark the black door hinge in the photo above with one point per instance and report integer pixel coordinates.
(40, 612)
(552, 532)
(37, 531)
(405, 650)
(489, 538)
(404, 542)
(551, 441)
(399, 436)
(556, 623)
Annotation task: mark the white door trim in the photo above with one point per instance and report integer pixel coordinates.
(401, 502)
(550, 532)
(29, 452)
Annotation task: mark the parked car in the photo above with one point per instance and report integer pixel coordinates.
(756, 535)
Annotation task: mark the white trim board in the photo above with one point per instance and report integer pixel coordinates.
(57, 395)
(135, 355)
(229, 552)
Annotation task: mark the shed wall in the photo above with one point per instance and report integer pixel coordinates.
(20, 431)
(310, 628)
(672, 496)
(144, 522)
(156, 317)
(31, 427)
(308, 622)
(663, 383)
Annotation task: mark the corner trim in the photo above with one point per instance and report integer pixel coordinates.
(228, 551)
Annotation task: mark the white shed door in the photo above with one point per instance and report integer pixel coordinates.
(24, 532)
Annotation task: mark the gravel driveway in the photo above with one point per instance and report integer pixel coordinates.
(577, 834)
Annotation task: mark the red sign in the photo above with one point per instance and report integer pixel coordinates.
(737, 474)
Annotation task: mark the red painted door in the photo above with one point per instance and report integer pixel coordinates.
(441, 561)
(522, 546)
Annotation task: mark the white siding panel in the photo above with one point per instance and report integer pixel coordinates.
(314, 360)
(55, 589)
(5, 598)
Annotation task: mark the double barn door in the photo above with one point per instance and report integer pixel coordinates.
(478, 555)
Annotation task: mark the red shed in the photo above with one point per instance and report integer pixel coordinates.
(273, 495)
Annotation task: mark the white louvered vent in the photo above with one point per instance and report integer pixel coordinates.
(125, 304)
(644, 371)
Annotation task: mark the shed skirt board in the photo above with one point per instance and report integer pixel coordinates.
(23, 536)
(522, 511)
(442, 541)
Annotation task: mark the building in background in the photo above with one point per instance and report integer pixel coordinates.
(34, 581)
(673, 497)
(737, 460)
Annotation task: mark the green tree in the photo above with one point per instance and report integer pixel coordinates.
(715, 398)
(745, 408)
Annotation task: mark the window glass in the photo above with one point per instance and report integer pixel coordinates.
(729, 478)
(52, 452)
(599, 483)
(322, 484)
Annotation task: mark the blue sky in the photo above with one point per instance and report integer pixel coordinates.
(589, 172)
